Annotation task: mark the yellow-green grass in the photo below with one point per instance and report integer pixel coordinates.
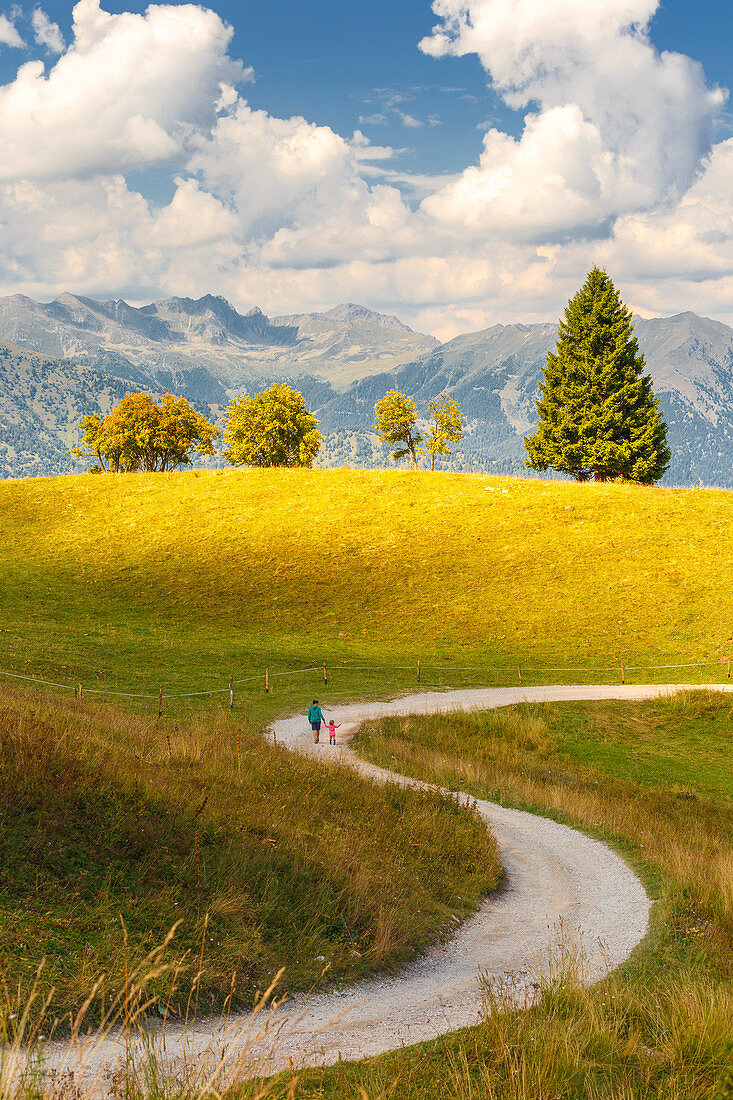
(137, 580)
(662, 1025)
(127, 583)
(115, 829)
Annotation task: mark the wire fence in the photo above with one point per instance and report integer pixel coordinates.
(322, 670)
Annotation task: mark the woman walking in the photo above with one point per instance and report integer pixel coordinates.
(315, 717)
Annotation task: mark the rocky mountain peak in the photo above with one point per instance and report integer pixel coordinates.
(352, 313)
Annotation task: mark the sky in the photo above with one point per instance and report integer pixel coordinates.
(459, 164)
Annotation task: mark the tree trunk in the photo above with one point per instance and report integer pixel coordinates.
(432, 461)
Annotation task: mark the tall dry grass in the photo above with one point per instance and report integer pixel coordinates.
(115, 829)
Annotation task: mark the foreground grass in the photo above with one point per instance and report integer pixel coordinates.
(662, 1026)
(135, 581)
(114, 829)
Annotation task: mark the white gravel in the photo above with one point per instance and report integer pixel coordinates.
(559, 883)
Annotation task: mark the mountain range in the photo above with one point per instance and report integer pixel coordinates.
(63, 359)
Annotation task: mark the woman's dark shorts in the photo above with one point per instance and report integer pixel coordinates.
(316, 727)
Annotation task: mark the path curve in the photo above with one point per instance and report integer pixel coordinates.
(556, 877)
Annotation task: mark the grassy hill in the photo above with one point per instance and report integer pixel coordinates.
(130, 583)
(134, 581)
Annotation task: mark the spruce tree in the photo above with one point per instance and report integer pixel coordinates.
(597, 413)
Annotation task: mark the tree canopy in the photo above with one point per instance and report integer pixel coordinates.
(598, 416)
(140, 435)
(446, 427)
(396, 424)
(272, 428)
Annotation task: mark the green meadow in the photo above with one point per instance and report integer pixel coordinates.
(137, 581)
(118, 825)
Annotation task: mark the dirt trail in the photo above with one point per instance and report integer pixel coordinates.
(557, 879)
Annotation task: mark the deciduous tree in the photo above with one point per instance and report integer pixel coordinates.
(396, 424)
(446, 427)
(272, 428)
(597, 413)
(140, 435)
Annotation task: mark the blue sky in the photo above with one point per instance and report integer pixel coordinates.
(481, 190)
(337, 62)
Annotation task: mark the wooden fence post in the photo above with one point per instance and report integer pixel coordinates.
(80, 696)
(418, 672)
(231, 692)
(623, 673)
(325, 674)
(267, 680)
(520, 674)
(729, 668)
(160, 703)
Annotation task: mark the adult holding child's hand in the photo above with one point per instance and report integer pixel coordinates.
(315, 717)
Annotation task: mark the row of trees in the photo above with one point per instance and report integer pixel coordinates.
(598, 416)
(272, 428)
(397, 425)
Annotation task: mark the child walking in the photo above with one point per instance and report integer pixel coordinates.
(332, 727)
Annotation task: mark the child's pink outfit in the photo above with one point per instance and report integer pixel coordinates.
(332, 727)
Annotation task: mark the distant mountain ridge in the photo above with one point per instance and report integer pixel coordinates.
(237, 349)
(494, 376)
(75, 355)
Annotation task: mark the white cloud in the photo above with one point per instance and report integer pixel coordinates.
(272, 169)
(9, 33)
(125, 95)
(632, 124)
(680, 256)
(193, 218)
(551, 180)
(47, 33)
(614, 165)
(408, 120)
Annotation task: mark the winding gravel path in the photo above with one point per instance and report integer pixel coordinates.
(556, 878)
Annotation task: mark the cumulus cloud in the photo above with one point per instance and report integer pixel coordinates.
(298, 189)
(614, 165)
(268, 166)
(632, 124)
(680, 256)
(9, 35)
(125, 94)
(47, 33)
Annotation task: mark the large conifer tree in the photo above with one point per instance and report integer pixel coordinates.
(597, 413)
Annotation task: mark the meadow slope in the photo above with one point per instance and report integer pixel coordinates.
(177, 581)
(115, 829)
(130, 581)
